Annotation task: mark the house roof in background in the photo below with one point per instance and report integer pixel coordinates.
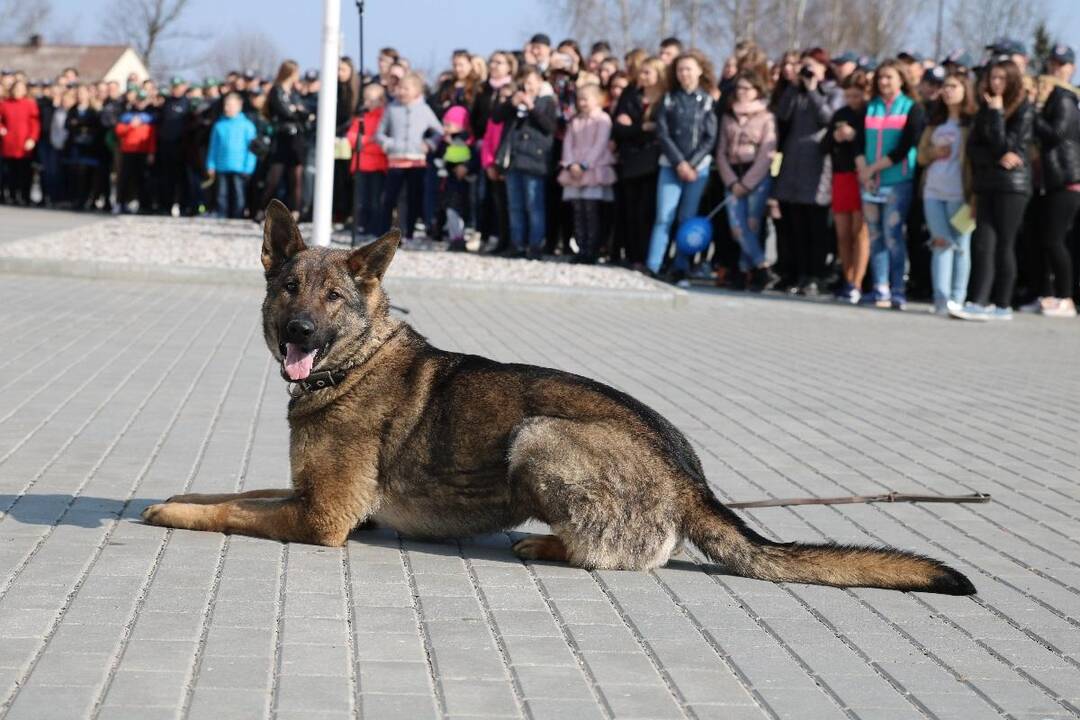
(47, 61)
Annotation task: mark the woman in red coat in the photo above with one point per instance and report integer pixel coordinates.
(20, 129)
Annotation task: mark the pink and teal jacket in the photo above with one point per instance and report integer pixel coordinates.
(893, 129)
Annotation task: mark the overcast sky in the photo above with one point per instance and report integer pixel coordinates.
(424, 30)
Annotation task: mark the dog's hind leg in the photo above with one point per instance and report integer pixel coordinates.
(600, 487)
(215, 498)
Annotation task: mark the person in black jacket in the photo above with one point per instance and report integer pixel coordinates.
(494, 206)
(348, 100)
(525, 156)
(84, 149)
(290, 117)
(1057, 131)
(634, 132)
(686, 126)
(997, 147)
(169, 164)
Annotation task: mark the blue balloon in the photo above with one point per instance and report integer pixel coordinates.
(693, 236)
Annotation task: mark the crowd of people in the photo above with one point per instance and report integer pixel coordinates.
(955, 181)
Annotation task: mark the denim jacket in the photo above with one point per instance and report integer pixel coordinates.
(686, 127)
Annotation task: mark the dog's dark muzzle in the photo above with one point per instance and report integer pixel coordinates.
(299, 331)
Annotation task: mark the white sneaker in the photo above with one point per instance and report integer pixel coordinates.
(175, 210)
(1059, 308)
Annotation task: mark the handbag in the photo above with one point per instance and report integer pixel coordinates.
(260, 146)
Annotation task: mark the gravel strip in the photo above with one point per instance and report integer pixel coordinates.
(234, 244)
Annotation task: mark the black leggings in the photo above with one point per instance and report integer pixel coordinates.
(497, 192)
(639, 214)
(993, 247)
(18, 177)
(808, 241)
(587, 227)
(1060, 209)
(294, 181)
(412, 179)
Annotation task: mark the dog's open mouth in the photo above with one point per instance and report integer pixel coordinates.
(298, 362)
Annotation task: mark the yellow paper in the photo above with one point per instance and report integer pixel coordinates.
(962, 220)
(777, 159)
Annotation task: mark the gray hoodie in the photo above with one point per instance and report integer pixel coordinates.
(401, 131)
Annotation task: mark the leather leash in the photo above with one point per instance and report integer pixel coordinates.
(890, 497)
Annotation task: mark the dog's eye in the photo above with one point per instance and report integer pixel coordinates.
(333, 296)
(292, 287)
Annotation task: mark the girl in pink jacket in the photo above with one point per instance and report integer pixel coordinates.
(588, 170)
(743, 156)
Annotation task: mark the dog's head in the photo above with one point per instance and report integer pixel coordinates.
(321, 305)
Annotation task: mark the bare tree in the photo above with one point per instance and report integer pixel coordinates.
(243, 50)
(973, 23)
(877, 27)
(19, 19)
(146, 25)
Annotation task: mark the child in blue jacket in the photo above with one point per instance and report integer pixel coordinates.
(229, 158)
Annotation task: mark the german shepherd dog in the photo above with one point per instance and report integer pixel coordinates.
(386, 428)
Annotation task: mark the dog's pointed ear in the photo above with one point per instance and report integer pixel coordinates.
(281, 237)
(372, 259)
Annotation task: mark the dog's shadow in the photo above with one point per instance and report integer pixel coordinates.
(57, 509)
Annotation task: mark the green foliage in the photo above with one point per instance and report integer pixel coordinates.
(1041, 47)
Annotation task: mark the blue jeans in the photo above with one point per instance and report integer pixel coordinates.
(235, 184)
(526, 195)
(887, 224)
(672, 194)
(950, 267)
(746, 217)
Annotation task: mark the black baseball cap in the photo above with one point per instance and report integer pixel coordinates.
(311, 76)
(249, 74)
(935, 75)
(848, 56)
(1063, 54)
(910, 56)
(540, 39)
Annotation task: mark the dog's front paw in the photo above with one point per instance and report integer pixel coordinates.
(179, 515)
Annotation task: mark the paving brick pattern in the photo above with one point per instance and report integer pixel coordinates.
(114, 395)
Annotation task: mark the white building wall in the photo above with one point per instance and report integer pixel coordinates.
(127, 63)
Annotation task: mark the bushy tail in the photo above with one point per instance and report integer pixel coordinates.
(726, 539)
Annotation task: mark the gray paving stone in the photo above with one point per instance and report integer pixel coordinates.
(408, 678)
(479, 697)
(397, 707)
(553, 682)
(556, 709)
(228, 704)
(313, 693)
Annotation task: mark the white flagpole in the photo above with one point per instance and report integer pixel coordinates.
(326, 122)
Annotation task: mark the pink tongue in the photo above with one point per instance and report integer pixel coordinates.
(297, 362)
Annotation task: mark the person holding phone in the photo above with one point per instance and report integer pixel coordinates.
(1000, 136)
(802, 113)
